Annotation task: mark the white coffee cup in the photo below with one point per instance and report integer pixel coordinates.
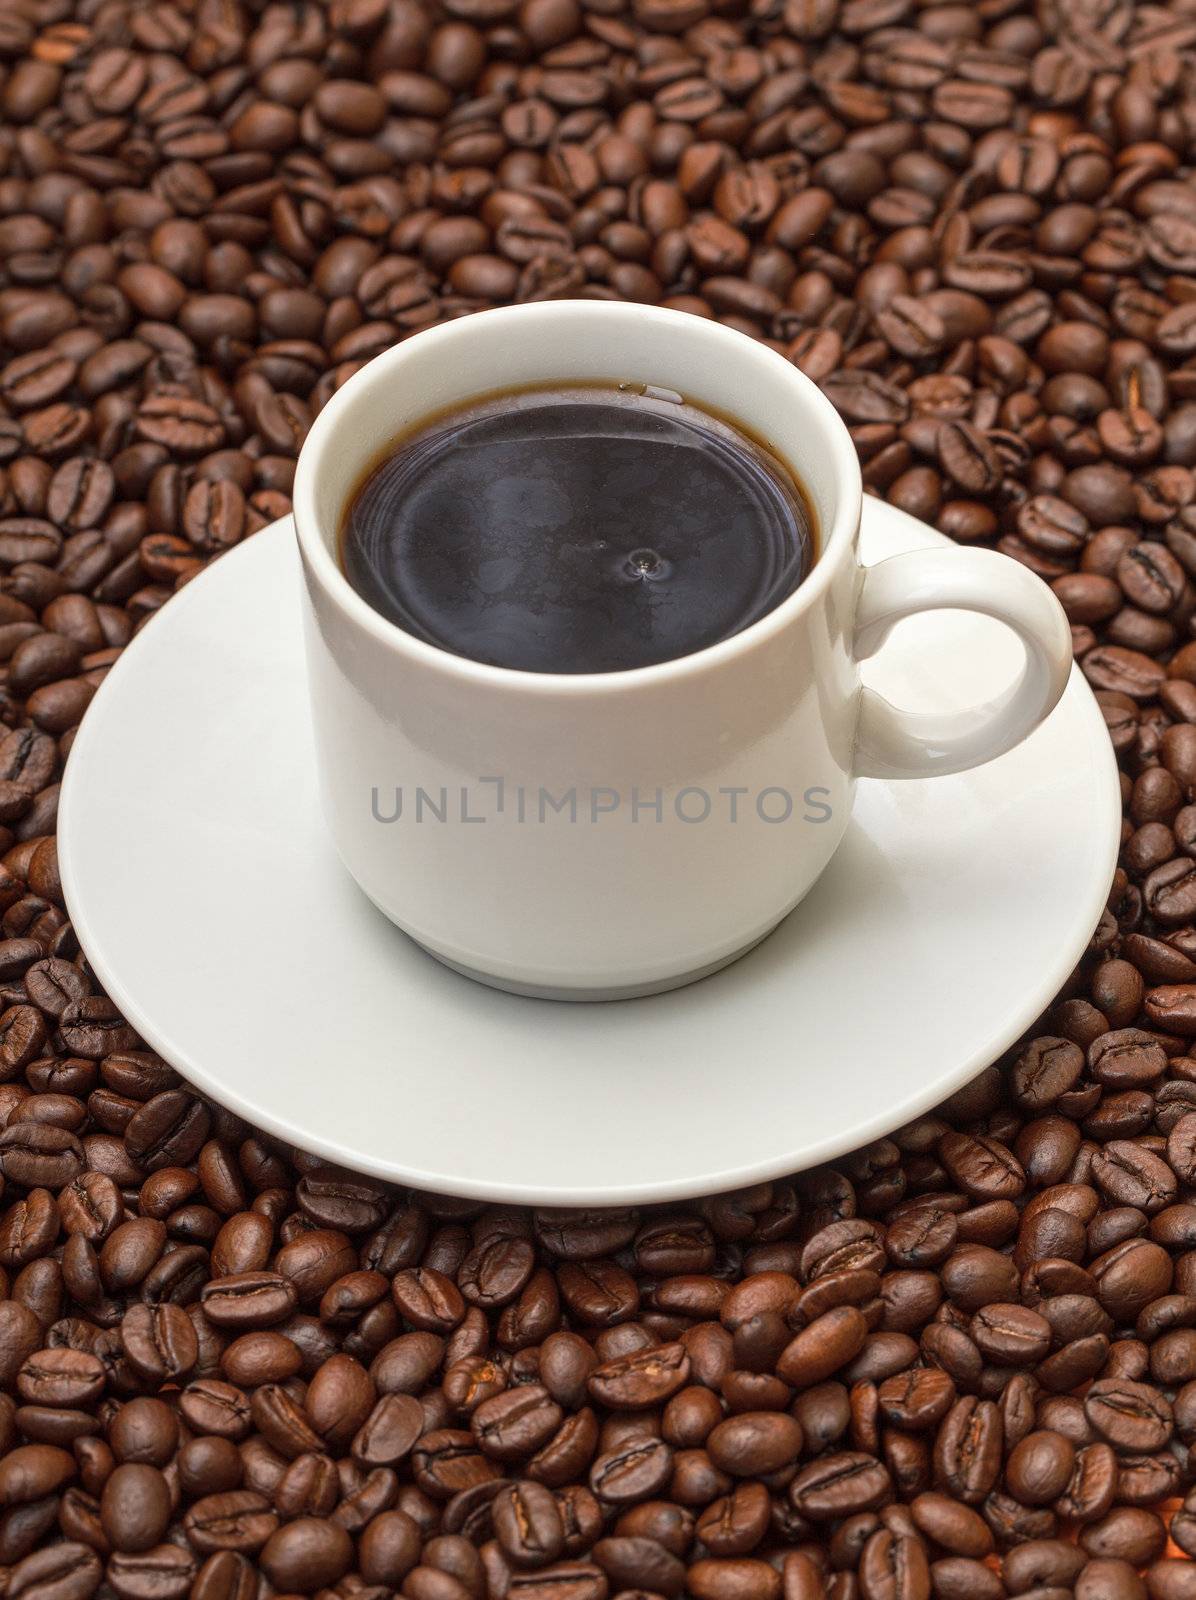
(594, 836)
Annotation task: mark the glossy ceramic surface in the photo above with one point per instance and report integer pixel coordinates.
(211, 903)
(600, 835)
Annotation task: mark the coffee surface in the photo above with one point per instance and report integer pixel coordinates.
(577, 529)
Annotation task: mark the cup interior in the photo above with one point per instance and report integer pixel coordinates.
(569, 341)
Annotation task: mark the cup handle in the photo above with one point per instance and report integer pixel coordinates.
(891, 743)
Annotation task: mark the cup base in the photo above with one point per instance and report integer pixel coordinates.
(631, 991)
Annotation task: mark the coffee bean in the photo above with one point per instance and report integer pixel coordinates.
(448, 1461)
(1092, 1486)
(642, 1380)
(428, 1300)
(248, 1300)
(838, 1485)
(404, 1365)
(217, 1408)
(516, 1424)
(916, 1398)
(819, 1350)
(40, 1155)
(260, 1357)
(633, 1471)
(568, 1580)
(755, 1443)
(389, 1431)
(1131, 1416)
(307, 1554)
(1130, 1175)
(1040, 1467)
(135, 1507)
(281, 1420)
(982, 1166)
(952, 1525)
(61, 1377)
(896, 1564)
(168, 1130)
(389, 1548)
(1012, 1335)
(1126, 1058)
(240, 1520)
(31, 1472)
(65, 1570)
(736, 1523)
(224, 1576)
(968, 457)
(1126, 1533)
(1150, 577)
(967, 1449)
(527, 1523)
(1046, 1070)
(208, 1465)
(164, 1573)
(1169, 1579)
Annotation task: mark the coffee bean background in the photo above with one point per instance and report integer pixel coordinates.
(959, 1363)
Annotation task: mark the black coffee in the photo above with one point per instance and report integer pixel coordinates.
(578, 529)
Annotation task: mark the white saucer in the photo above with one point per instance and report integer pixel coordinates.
(209, 901)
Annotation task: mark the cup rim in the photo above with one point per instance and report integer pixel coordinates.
(834, 542)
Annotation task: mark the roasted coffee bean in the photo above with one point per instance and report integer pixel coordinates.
(282, 1422)
(967, 1450)
(709, 1579)
(1127, 1533)
(642, 1380)
(240, 1520)
(39, 1155)
(135, 1507)
(642, 1562)
(635, 1470)
(248, 1300)
(754, 1444)
(527, 1523)
(1130, 1175)
(210, 1406)
(822, 1348)
(1093, 1484)
(428, 1300)
(954, 1526)
(389, 1431)
(65, 1570)
(1011, 1335)
(1039, 1468)
(32, 1472)
(389, 1548)
(916, 1398)
(514, 1425)
(61, 1377)
(260, 1357)
(339, 1398)
(982, 1166)
(1045, 1071)
(839, 1485)
(447, 1461)
(736, 1523)
(1132, 1416)
(168, 1130)
(159, 1574)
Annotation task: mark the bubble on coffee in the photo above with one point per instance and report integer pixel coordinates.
(579, 528)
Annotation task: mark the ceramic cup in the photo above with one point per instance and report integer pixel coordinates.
(604, 835)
